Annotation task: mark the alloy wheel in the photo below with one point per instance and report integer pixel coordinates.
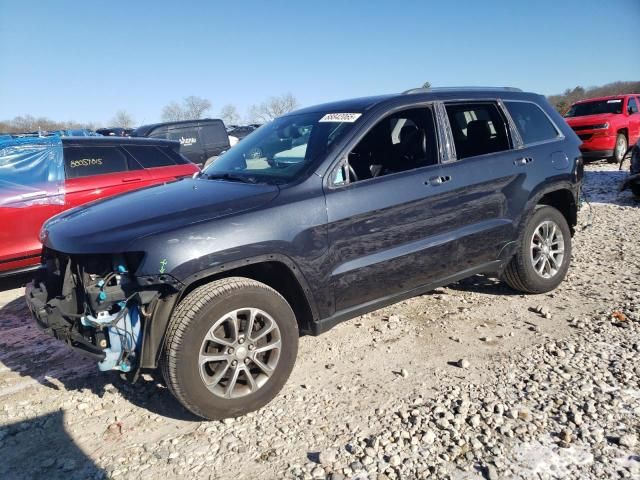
(547, 249)
(239, 353)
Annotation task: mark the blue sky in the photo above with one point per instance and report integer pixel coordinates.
(84, 60)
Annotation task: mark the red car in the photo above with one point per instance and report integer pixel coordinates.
(41, 177)
(606, 125)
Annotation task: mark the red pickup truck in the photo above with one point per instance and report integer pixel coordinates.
(606, 125)
(41, 177)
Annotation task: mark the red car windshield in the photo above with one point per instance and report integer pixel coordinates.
(595, 107)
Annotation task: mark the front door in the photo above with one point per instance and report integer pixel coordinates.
(388, 225)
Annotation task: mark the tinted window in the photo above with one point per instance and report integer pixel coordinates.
(174, 155)
(531, 122)
(214, 134)
(477, 128)
(88, 161)
(632, 107)
(149, 156)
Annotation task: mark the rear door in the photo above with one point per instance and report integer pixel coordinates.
(95, 172)
(482, 181)
(161, 163)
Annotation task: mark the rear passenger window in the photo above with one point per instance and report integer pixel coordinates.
(532, 123)
(477, 128)
(149, 156)
(88, 161)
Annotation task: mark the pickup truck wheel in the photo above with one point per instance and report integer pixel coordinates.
(635, 188)
(230, 347)
(619, 150)
(544, 253)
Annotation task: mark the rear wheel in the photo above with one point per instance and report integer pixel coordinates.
(620, 149)
(230, 347)
(635, 188)
(543, 256)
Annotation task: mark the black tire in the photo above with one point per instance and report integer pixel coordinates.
(191, 321)
(635, 188)
(620, 149)
(520, 273)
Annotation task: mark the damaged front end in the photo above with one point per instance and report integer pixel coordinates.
(96, 305)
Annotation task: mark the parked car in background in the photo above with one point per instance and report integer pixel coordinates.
(201, 141)
(380, 199)
(241, 131)
(41, 177)
(114, 132)
(606, 125)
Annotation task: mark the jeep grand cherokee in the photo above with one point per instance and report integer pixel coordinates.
(323, 214)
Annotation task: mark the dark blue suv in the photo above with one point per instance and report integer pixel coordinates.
(319, 216)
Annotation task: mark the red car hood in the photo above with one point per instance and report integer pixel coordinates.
(589, 119)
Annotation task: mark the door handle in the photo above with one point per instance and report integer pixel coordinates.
(125, 180)
(439, 180)
(523, 161)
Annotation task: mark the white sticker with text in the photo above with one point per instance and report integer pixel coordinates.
(617, 100)
(341, 117)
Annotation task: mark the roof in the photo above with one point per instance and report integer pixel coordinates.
(145, 129)
(607, 97)
(363, 104)
(118, 141)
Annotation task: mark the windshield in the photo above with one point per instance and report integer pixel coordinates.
(283, 149)
(596, 107)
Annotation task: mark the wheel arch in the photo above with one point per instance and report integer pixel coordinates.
(277, 271)
(564, 201)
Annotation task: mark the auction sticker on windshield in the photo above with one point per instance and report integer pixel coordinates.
(341, 117)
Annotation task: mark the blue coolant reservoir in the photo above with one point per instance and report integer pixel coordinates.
(124, 338)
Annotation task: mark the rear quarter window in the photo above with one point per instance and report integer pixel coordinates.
(89, 161)
(532, 123)
(149, 156)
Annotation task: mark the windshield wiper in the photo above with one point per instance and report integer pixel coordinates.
(230, 177)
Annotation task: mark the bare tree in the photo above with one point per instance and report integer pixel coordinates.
(122, 119)
(196, 107)
(229, 115)
(273, 108)
(172, 112)
(192, 108)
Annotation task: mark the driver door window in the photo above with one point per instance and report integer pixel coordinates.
(402, 141)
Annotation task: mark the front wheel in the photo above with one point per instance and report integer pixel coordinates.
(542, 259)
(230, 347)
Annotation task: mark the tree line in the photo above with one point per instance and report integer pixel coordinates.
(189, 108)
(193, 107)
(563, 101)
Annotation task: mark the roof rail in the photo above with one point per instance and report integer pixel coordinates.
(455, 89)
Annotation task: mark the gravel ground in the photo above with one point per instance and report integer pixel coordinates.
(470, 381)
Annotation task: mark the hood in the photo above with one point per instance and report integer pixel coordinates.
(589, 119)
(110, 225)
